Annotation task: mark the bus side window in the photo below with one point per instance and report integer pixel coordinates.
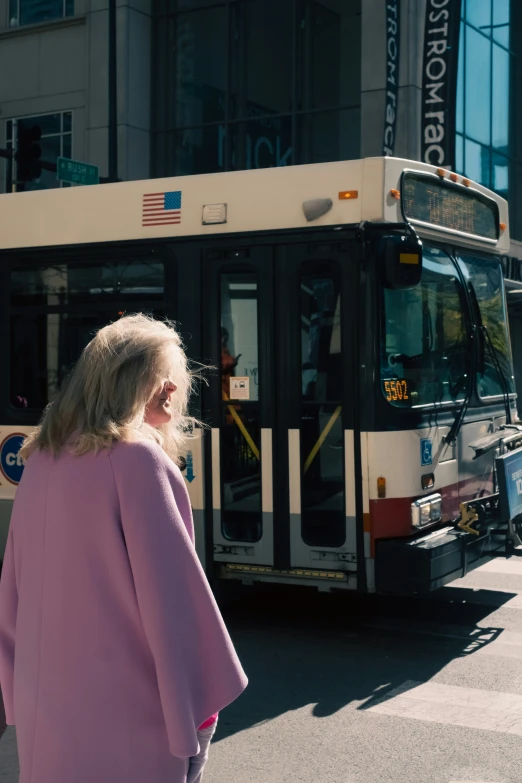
(56, 308)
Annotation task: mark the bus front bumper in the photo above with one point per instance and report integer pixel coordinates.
(409, 566)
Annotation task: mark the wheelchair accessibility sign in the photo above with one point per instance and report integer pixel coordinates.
(11, 464)
(426, 451)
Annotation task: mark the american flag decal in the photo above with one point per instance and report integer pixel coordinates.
(160, 209)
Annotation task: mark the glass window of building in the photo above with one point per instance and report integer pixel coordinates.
(489, 56)
(242, 84)
(37, 143)
(22, 12)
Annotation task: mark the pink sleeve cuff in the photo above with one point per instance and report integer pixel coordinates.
(209, 722)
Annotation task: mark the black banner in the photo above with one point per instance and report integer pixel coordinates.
(439, 82)
(392, 74)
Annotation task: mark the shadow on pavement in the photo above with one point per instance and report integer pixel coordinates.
(299, 648)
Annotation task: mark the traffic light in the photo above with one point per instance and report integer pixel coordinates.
(28, 154)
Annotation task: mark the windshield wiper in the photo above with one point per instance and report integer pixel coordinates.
(458, 421)
(455, 428)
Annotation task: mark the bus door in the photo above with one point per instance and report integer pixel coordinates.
(277, 321)
(317, 376)
(238, 334)
(494, 372)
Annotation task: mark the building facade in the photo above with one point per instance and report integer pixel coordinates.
(218, 85)
(54, 57)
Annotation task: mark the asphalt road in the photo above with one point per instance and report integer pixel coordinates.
(373, 690)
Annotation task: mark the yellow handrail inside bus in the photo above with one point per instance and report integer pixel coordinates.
(322, 438)
(245, 433)
(254, 449)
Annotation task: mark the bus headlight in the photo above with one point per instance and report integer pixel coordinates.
(426, 511)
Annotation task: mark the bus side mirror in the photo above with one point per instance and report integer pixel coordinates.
(401, 260)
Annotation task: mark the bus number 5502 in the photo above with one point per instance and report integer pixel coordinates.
(396, 390)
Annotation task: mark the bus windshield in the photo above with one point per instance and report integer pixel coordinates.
(425, 353)
(425, 346)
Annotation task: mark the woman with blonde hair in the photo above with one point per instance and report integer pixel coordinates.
(114, 658)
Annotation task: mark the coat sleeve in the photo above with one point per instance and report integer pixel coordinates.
(8, 612)
(196, 665)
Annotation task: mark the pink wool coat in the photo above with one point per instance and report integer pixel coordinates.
(112, 648)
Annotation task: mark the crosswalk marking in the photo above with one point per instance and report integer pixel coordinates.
(475, 591)
(495, 642)
(455, 705)
(507, 645)
(502, 565)
(485, 596)
(499, 566)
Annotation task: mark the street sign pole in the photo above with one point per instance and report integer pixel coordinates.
(75, 171)
(113, 99)
(8, 154)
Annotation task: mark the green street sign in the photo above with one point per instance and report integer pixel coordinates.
(74, 171)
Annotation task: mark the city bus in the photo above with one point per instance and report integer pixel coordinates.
(352, 317)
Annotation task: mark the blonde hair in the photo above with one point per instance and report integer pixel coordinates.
(104, 399)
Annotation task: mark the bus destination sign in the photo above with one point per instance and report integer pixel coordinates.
(443, 204)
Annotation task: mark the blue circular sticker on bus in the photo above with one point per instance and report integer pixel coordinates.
(11, 463)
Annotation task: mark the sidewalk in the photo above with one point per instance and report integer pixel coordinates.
(9, 770)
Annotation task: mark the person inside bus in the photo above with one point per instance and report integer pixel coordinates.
(228, 364)
(114, 658)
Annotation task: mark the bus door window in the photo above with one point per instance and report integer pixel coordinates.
(55, 309)
(425, 346)
(487, 279)
(323, 506)
(241, 515)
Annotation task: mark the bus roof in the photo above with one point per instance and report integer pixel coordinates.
(226, 203)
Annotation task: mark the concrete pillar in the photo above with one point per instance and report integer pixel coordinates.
(134, 54)
(373, 78)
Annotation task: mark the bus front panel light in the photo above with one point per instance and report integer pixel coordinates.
(426, 511)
